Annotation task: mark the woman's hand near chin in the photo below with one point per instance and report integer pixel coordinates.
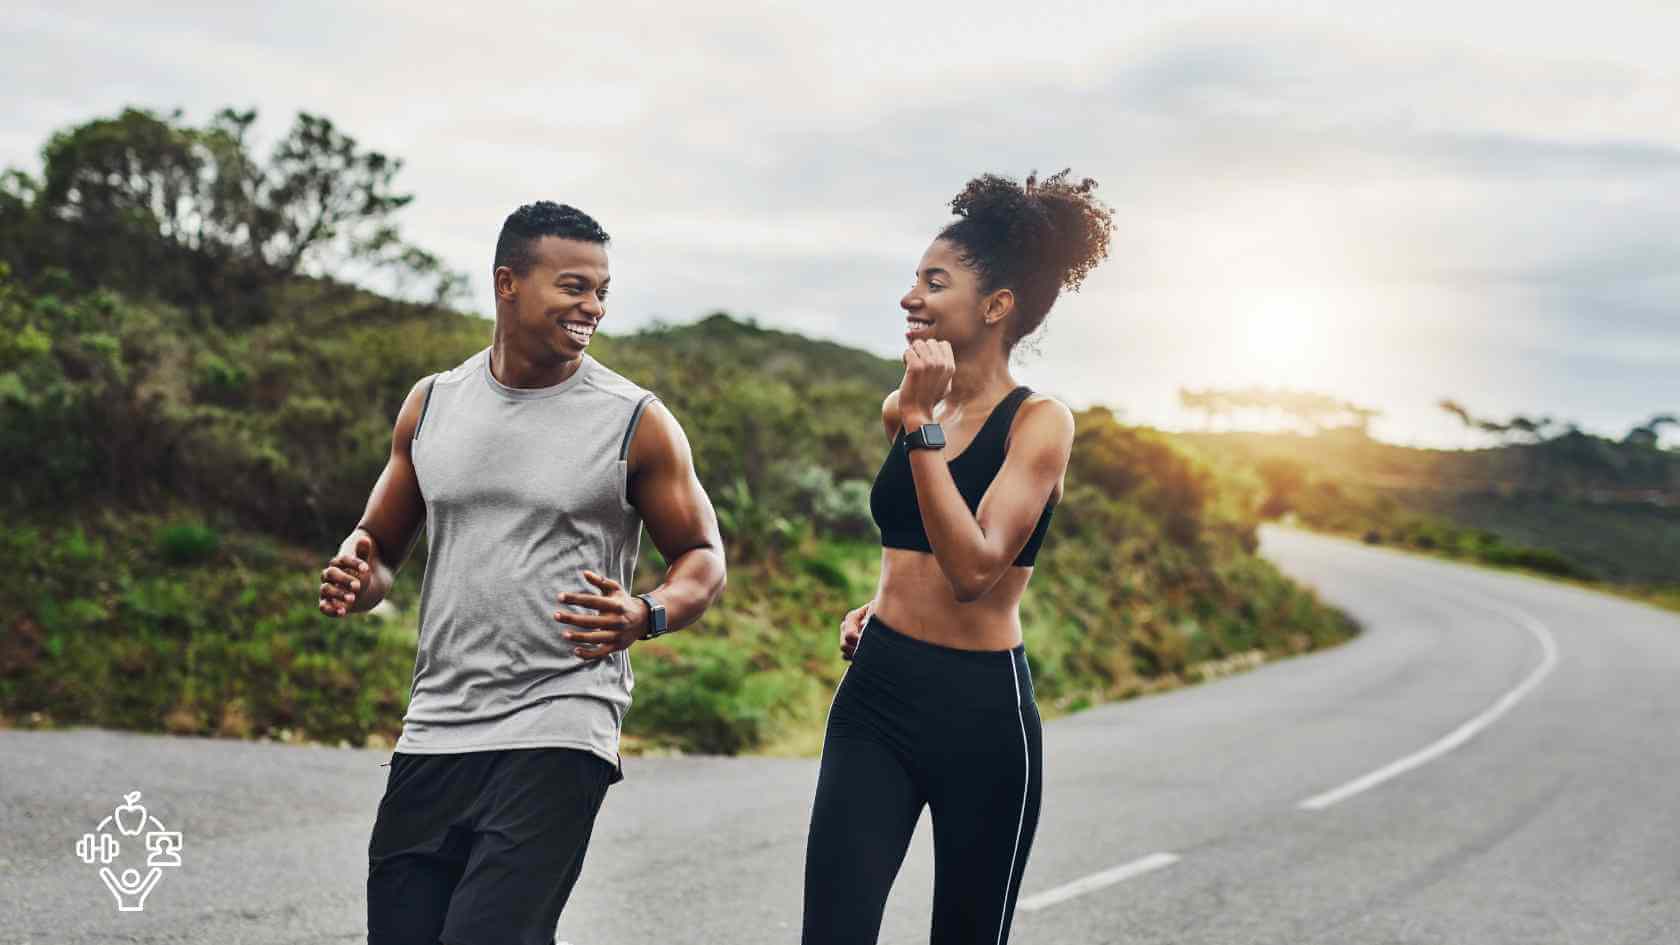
(929, 365)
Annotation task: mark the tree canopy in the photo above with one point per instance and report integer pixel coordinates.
(154, 206)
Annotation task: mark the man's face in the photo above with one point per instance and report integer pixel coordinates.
(560, 300)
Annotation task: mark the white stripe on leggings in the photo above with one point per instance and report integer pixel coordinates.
(1026, 785)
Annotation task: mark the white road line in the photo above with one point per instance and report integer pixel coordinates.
(1465, 732)
(1080, 887)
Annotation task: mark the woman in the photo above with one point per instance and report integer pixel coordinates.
(937, 707)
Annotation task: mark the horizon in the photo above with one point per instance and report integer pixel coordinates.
(1389, 207)
(1492, 441)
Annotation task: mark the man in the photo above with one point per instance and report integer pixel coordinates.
(534, 467)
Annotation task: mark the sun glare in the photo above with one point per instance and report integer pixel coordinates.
(1280, 340)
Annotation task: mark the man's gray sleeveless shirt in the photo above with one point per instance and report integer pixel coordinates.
(524, 489)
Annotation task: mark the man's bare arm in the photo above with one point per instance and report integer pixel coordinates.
(679, 516)
(665, 490)
(395, 512)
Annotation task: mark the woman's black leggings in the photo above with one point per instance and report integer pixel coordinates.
(915, 723)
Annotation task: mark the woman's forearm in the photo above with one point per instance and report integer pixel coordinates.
(958, 542)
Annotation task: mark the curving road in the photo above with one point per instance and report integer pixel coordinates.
(1495, 760)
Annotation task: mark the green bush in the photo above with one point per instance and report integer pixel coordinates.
(221, 381)
(187, 543)
(705, 695)
(1542, 560)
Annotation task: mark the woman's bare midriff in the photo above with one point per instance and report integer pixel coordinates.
(915, 599)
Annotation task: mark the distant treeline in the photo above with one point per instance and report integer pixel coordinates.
(1574, 505)
(1645, 435)
(1317, 412)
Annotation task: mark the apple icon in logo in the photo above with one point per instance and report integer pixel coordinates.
(131, 809)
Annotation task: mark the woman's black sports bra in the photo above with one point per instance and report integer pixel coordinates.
(892, 500)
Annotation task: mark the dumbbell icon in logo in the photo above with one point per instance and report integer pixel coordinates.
(97, 848)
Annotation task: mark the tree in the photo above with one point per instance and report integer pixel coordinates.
(1456, 409)
(1533, 428)
(149, 204)
(1649, 433)
(120, 198)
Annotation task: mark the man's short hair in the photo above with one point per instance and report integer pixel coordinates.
(532, 222)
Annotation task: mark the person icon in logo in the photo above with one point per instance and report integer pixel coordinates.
(165, 848)
(131, 891)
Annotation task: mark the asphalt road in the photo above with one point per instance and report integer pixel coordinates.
(1494, 760)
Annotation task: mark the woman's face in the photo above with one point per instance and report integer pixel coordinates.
(946, 303)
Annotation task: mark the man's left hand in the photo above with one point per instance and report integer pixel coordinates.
(620, 619)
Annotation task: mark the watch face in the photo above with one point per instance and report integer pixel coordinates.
(934, 436)
(656, 614)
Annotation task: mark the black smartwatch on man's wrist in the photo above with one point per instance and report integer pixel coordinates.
(928, 436)
(656, 617)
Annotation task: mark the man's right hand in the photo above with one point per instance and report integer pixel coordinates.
(346, 575)
(851, 629)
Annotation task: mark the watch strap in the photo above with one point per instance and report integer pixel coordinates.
(656, 617)
(918, 439)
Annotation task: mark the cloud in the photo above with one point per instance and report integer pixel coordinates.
(1445, 203)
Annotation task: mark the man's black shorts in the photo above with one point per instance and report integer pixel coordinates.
(481, 847)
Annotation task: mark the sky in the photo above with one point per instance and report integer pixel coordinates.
(1389, 203)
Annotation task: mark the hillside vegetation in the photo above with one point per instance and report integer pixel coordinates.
(1575, 506)
(185, 484)
(192, 423)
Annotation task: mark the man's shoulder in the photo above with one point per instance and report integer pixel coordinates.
(608, 381)
(460, 372)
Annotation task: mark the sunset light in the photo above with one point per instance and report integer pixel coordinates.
(1280, 342)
